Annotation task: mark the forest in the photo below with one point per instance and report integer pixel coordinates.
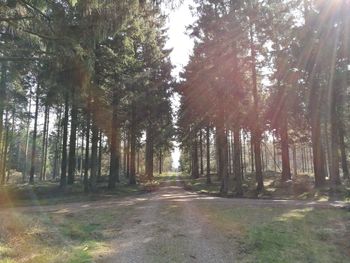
(93, 114)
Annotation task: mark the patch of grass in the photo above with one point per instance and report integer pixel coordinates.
(59, 236)
(200, 185)
(49, 193)
(280, 235)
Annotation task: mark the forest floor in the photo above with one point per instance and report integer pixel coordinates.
(174, 225)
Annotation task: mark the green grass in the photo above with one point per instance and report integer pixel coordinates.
(59, 236)
(301, 188)
(280, 235)
(49, 193)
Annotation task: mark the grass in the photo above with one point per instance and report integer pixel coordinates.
(49, 193)
(301, 188)
(280, 235)
(60, 236)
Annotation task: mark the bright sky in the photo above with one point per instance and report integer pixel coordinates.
(182, 47)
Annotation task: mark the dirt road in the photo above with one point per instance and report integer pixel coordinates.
(170, 225)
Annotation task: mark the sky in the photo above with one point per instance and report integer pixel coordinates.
(182, 46)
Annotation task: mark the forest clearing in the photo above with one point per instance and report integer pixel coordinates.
(174, 131)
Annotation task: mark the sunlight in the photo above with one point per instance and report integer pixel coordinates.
(296, 214)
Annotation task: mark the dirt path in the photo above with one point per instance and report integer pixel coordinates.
(169, 224)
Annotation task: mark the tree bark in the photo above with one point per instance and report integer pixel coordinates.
(149, 152)
(334, 160)
(230, 156)
(295, 164)
(94, 159)
(132, 176)
(57, 145)
(2, 108)
(63, 180)
(256, 127)
(343, 151)
(5, 149)
(99, 174)
(201, 151)
(223, 163)
(238, 190)
(286, 174)
(160, 161)
(128, 155)
(114, 149)
(24, 174)
(87, 159)
(317, 149)
(194, 158)
(46, 142)
(43, 163)
(32, 168)
(124, 152)
(208, 156)
(72, 139)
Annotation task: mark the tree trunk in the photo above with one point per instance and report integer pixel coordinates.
(194, 158)
(46, 142)
(149, 152)
(138, 162)
(334, 160)
(286, 174)
(4, 149)
(223, 163)
(99, 174)
(2, 108)
(274, 154)
(114, 149)
(230, 156)
(317, 151)
(325, 140)
(201, 151)
(295, 164)
(124, 152)
(132, 177)
(87, 159)
(72, 140)
(128, 156)
(32, 168)
(94, 159)
(160, 161)
(24, 174)
(256, 128)
(343, 150)
(238, 190)
(82, 155)
(57, 145)
(12, 144)
(302, 156)
(244, 166)
(43, 163)
(218, 156)
(63, 180)
(252, 163)
(208, 155)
